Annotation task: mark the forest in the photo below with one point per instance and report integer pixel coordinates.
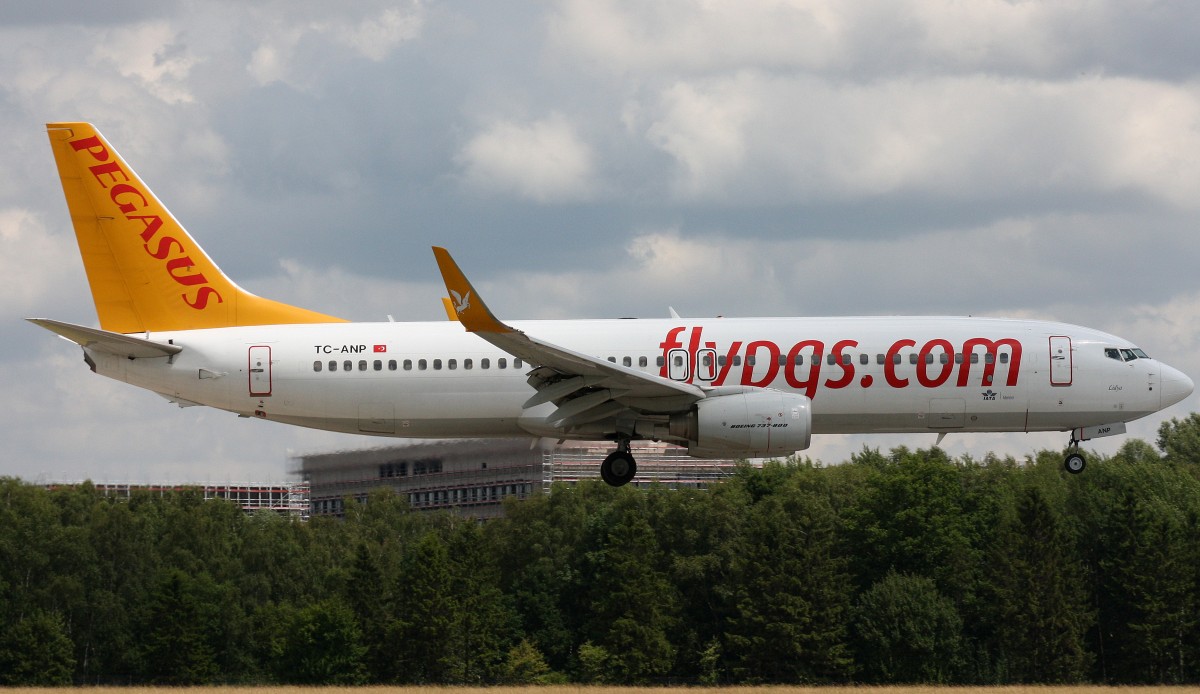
(905, 566)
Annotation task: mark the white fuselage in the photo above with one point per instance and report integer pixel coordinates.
(863, 374)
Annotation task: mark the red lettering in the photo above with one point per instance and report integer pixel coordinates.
(202, 298)
(844, 364)
(152, 222)
(752, 360)
(111, 169)
(93, 146)
(122, 189)
(924, 359)
(693, 350)
(184, 263)
(809, 383)
(727, 363)
(991, 348)
(889, 363)
(164, 247)
(671, 342)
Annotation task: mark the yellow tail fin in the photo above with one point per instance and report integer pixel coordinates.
(145, 271)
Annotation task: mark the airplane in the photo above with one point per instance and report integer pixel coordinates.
(170, 321)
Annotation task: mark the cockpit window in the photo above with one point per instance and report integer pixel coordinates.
(1128, 354)
(1140, 354)
(1113, 353)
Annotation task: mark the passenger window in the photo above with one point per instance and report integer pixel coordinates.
(408, 364)
(501, 363)
(516, 363)
(830, 359)
(720, 360)
(362, 365)
(974, 358)
(912, 358)
(879, 359)
(642, 361)
(316, 366)
(467, 364)
(391, 364)
(799, 360)
(437, 364)
(451, 364)
(627, 361)
(737, 360)
(613, 359)
(897, 360)
(678, 361)
(1003, 358)
(943, 358)
(990, 358)
(422, 364)
(783, 360)
(378, 365)
(333, 366)
(347, 365)
(750, 359)
(485, 363)
(864, 359)
(659, 361)
(958, 358)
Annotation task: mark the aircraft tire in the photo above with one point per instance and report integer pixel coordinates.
(618, 468)
(1075, 463)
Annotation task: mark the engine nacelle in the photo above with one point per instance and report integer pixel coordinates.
(754, 424)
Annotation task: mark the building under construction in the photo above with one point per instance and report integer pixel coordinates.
(474, 477)
(284, 499)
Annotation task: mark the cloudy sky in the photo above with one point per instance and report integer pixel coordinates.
(601, 159)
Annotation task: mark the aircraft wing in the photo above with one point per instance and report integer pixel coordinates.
(105, 341)
(596, 383)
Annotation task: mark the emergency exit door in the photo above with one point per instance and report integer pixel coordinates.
(260, 371)
(1060, 361)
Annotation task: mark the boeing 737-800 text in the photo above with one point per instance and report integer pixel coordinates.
(172, 322)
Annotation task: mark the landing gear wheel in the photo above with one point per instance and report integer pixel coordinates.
(618, 468)
(1075, 463)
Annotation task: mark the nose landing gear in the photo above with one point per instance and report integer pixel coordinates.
(1074, 462)
(619, 467)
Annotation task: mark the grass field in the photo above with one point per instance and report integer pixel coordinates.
(579, 689)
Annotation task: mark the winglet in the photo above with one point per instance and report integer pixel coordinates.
(467, 304)
(449, 306)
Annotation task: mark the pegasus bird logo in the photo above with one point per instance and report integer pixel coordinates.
(461, 302)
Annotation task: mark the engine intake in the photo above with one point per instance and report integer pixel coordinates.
(754, 424)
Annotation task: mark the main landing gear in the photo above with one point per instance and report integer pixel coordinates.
(1074, 462)
(618, 468)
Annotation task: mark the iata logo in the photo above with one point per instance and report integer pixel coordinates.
(132, 203)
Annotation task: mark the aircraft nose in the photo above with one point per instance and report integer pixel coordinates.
(1175, 386)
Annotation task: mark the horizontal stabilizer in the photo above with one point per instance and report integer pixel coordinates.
(109, 342)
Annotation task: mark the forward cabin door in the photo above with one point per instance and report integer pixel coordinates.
(260, 371)
(1061, 365)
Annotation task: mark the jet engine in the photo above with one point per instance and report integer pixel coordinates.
(760, 423)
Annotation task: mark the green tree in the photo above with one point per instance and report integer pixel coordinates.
(36, 652)
(322, 647)
(906, 632)
(1179, 439)
(633, 603)
(1039, 612)
(791, 595)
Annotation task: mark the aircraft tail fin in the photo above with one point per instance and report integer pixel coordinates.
(145, 271)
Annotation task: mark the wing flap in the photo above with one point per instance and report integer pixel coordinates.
(109, 342)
